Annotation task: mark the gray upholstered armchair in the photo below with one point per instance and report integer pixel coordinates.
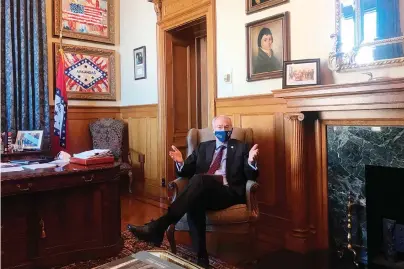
(237, 219)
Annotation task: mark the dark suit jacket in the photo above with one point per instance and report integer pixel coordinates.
(238, 171)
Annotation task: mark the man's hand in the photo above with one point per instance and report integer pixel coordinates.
(253, 154)
(176, 155)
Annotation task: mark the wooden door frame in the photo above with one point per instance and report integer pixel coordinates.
(169, 16)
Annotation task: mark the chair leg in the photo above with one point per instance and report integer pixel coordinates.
(171, 238)
(130, 174)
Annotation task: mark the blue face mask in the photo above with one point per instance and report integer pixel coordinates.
(223, 136)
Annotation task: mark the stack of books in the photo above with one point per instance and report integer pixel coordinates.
(95, 156)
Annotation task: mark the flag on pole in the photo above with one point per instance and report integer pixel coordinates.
(60, 113)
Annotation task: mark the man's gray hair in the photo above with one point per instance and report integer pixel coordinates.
(220, 116)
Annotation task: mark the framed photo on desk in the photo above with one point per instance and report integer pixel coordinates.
(30, 139)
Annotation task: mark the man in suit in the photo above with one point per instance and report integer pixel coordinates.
(218, 172)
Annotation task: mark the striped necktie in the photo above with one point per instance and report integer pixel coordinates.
(216, 163)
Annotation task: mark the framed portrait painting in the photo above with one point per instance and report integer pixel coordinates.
(91, 20)
(300, 73)
(267, 47)
(139, 57)
(252, 6)
(89, 72)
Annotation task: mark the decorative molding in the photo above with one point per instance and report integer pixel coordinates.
(387, 94)
(157, 8)
(141, 111)
(174, 6)
(294, 116)
(297, 238)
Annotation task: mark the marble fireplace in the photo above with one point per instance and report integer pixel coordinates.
(350, 151)
(332, 133)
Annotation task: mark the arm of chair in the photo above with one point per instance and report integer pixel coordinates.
(140, 158)
(178, 186)
(251, 198)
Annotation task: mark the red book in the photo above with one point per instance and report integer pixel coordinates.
(90, 161)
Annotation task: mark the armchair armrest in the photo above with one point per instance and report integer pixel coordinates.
(178, 186)
(251, 198)
(140, 158)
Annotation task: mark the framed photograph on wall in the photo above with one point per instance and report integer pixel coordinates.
(267, 47)
(30, 139)
(86, 20)
(252, 6)
(301, 73)
(139, 57)
(89, 72)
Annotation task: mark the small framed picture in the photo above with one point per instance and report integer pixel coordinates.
(252, 6)
(30, 139)
(301, 73)
(139, 55)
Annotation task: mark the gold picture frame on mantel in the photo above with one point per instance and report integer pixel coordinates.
(89, 72)
(252, 6)
(85, 20)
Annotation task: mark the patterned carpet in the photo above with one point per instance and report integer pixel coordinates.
(132, 245)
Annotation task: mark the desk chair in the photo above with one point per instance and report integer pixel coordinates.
(109, 134)
(237, 219)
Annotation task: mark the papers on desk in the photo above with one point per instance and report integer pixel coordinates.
(39, 166)
(11, 169)
(6, 165)
(60, 163)
(95, 153)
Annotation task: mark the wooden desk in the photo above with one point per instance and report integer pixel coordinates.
(58, 216)
(24, 155)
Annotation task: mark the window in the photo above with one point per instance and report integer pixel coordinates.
(365, 55)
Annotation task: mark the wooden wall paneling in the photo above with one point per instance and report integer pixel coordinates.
(264, 135)
(322, 186)
(264, 114)
(310, 169)
(143, 136)
(79, 118)
(152, 151)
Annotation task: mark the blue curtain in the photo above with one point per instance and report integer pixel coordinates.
(388, 26)
(25, 97)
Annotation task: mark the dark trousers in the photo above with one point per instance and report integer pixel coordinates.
(204, 192)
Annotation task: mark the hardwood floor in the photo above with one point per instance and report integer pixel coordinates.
(138, 212)
(138, 209)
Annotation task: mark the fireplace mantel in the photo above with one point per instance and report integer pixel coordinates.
(383, 94)
(309, 111)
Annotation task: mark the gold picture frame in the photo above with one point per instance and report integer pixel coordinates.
(89, 72)
(252, 6)
(85, 22)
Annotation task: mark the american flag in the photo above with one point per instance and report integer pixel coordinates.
(86, 14)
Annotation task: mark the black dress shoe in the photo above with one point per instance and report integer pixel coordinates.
(203, 262)
(152, 232)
